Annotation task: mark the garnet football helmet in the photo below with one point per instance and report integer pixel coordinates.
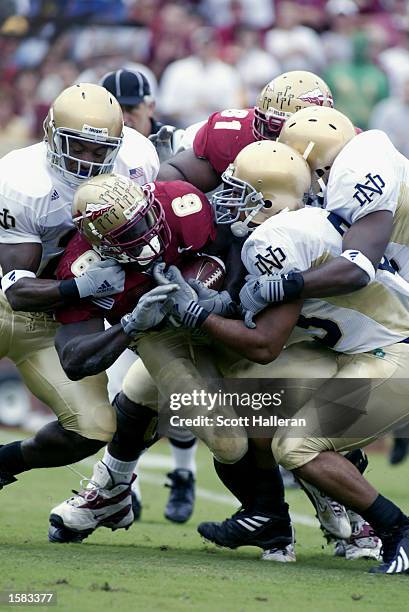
(83, 113)
(265, 178)
(121, 220)
(285, 95)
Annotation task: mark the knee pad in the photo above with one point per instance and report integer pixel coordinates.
(136, 424)
(229, 450)
(95, 423)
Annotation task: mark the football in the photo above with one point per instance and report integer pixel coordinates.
(206, 268)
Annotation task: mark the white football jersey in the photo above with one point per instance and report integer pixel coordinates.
(375, 316)
(35, 202)
(368, 175)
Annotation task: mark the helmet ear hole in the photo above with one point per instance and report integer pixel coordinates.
(268, 204)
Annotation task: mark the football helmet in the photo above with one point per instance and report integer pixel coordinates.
(285, 95)
(121, 219)
(318, 134)
(265, 178)
(84, 113)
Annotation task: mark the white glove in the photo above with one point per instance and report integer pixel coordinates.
(182, 306)
(102, 278)
(162, 141)
(147, 313)
(215, 302)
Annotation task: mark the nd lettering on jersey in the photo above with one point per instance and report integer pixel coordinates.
(365, 192)
(7, 221)
(273, 258)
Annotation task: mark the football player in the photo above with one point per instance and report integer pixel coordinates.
(134, 94)
(350, 330)
(84, 137)
(226, 133)
(134, 226)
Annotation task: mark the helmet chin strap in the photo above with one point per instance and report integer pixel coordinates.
(240, 229)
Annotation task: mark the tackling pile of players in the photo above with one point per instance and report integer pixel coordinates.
(93, 231)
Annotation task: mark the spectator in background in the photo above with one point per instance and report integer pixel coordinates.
(395, 60)
(357, 85)
(133, 93)
(14, 129)
(342, 23)
(295, 46)
(194, 87)
(392, 116)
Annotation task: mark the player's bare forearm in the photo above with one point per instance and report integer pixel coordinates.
(35, 295)
(86, 348)
(337, 277)
(262, 344)
(370, 235)
(228, 248)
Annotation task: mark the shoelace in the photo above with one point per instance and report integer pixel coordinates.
(337, 508)
(87, 493)
(178, 486)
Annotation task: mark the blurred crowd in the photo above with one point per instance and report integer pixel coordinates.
(203, 55)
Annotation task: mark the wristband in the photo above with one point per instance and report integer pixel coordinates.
(194, 315)
(13, 276)
(69, 290)
(293, 284)
(360, 260)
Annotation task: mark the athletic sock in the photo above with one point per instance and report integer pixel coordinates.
(121, 471)
(269, 492)
(184, 454)
(383, 515)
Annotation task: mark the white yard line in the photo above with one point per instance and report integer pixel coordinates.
(151, 460)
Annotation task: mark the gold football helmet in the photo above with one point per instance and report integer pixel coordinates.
(120, 219)
(83, 116)
(265, 178)
(318, 134)
(285, 95)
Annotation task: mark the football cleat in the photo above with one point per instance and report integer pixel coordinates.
(94, 506)
(363, 543)
(181, 500)
(6, 479)
(331, 514)
(281, 554)
(136, 499)
(397, 540)
(244, 528)
(289, 481)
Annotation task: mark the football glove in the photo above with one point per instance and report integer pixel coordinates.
(147, 313)
(182, 306)
(162, 142)
(102, 278)
(215, 302)
(260, 291)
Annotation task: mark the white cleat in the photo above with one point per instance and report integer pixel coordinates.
(331, 514)
(285, 554)
(363, 543)
(98, 505)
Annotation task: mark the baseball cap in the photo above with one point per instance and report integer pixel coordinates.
(128, 87)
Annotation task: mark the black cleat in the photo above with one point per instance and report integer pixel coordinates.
(399, 451)
(6, 479)
(395, 552)
(246, 528)
(136, 506)
(181, 500)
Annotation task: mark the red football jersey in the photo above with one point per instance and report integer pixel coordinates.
(191, 222)
(223, 136)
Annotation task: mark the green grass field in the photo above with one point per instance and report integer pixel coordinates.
(157, 565)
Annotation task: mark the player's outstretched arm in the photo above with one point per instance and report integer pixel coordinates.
(363, 246)
(85, 348)
(26, 292)
(265, 342)
(185, 166)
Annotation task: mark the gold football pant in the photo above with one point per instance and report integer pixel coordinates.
(177, 361)
(27, 338)
(363, 412)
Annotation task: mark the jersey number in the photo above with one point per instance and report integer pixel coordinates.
(232, 113)
(332, 332)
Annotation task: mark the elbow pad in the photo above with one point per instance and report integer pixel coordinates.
(360, 260)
